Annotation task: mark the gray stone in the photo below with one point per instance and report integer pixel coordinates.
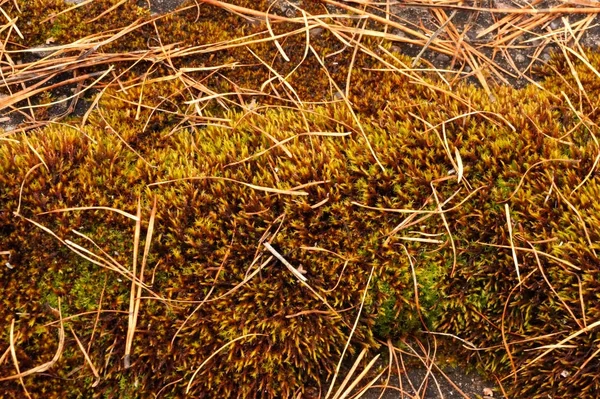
(316, 32)
(545, 56)
(520, 58)
(396, 49)
(442, 58)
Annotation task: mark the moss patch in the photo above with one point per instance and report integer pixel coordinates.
(339, 201)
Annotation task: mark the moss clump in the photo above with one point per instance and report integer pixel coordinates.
(345, 208)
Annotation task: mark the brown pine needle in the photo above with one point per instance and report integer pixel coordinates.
(44, 367)
(512, 242)
(215, 353)
(87, 358)
(132, 299)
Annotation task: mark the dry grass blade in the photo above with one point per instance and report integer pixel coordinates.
(143, 266)
(522, 180)
(350, 373)
(460, 168)
(252, 186)
(277, 44)
(559, 344)
(108, 126)
(30, 92)
(87, 358)
(13, 354)
(419, 211)
(215, 353)
(362, 303)
(352, 30)
(541, 269)
(88, 208)
(35, 151)
(44, 367)
(349, 106)
(447, 227)
(586, 178)
(100, 261)
(79, 3)
(287, 264)
(516, 11)
(581, 219)
(369, 385)
(132, 300)
(433, 37)
(428, 361)
(423, 240)
(466, 344)
(503, 321)
(358, 379)
(18, 211)
(390, 366)
(243, 10)
(109, 10)
(456, 387)
(587, 361)
(549, 256)
(12, 23)
(7, 351)
(415, 287)
(98, 312)
(512, 242)
(281, 143)
(353, 59)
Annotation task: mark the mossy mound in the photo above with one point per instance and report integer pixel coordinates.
(375, 206)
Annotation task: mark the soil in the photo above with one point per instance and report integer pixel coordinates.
(456, 382)
(416, 383)
(161, 6)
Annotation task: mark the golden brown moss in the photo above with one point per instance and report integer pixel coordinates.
(515, 150)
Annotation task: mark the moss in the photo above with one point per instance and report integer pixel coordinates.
(221, 297)
(385, 315)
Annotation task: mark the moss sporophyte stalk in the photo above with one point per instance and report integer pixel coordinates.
(239, 151)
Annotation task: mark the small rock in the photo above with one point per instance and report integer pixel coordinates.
(61, 105)
(287, 8)
(554, 25)
(591, 40)
(503, 4)
(442, 58)
(400, 34)
(478, 33)
(545, 56)
(40, 51)
(487, 392)
(520, 58)
(8, 127)
(316, 32)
